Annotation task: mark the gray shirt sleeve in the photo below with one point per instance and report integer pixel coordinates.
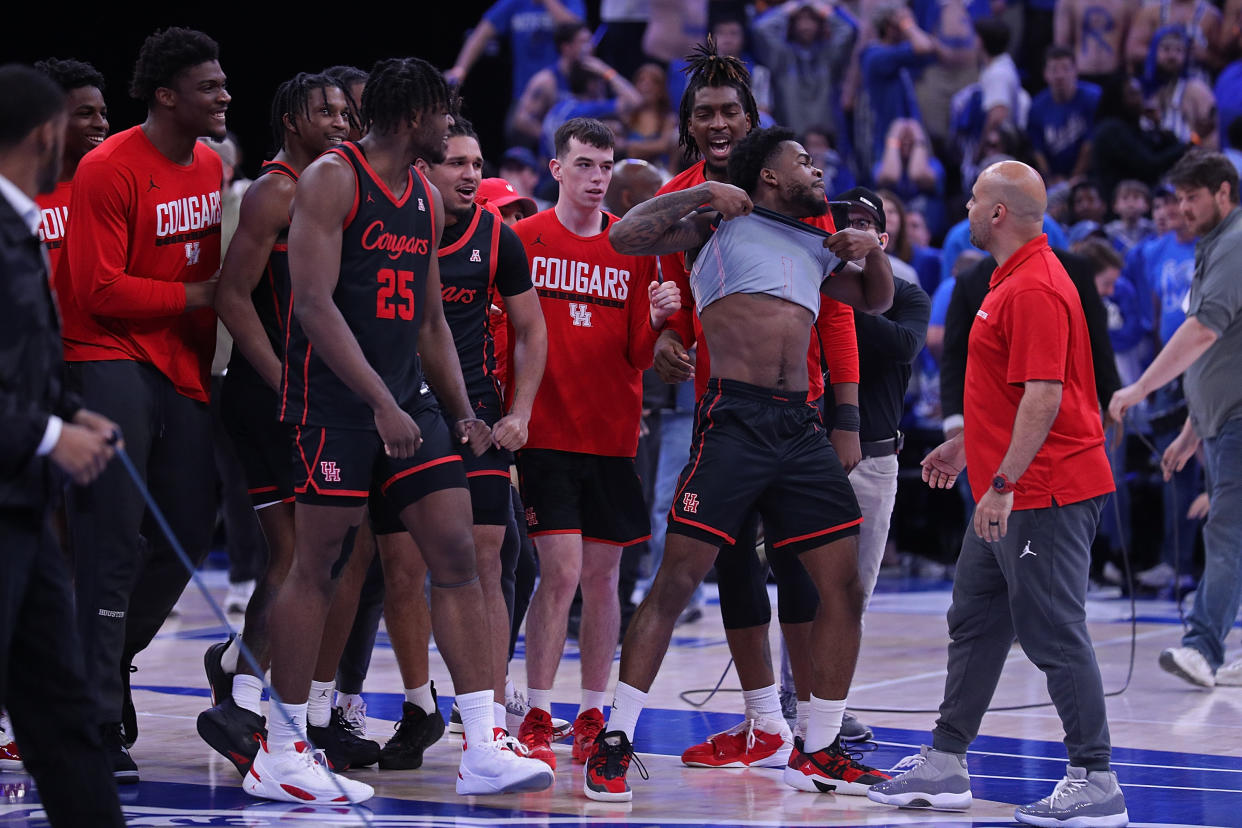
(1218, 301)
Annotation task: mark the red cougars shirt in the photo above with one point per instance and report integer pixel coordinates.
(141, 227)
(600, 338)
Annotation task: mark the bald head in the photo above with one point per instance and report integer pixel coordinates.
(1018, 187)
(633, 182)
(1007, 207)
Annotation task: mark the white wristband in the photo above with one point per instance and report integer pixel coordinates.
(51, 435)
(951, 422)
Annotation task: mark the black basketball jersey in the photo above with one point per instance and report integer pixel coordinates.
(468, 281)
(271, 295)
(385, 255)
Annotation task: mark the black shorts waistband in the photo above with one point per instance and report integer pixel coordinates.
(771, 396)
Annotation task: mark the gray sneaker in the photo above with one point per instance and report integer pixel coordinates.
(1189, 664)
(1080, 800)
(853, 730)
(929, 779)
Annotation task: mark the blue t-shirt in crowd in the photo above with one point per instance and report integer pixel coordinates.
(958, 239)
(1170, 270)
(1058, 130)
(928, 202)
(890, 87)
(926, 262)
(1126, 329)
(1228, 99)
(529, 27)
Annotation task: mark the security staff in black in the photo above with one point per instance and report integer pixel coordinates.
(46, 435)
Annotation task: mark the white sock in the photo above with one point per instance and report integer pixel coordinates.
(592, 700)
(228, 658)
(509, 688)
(281, 734)
(319, 705)
(627, 704)
(498, 715)
(247, 692)
(348, 700)
(824, 725)
(763, 703)
(539, 698)
(421, 697)
(804, 715)
(476, 717)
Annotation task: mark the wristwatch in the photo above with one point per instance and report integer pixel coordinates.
(1002, 484)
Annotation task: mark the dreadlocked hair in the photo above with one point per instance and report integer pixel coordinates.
(164, 55)
(400, 89)
(294, 96)
(71, 74)
(707, 68)
(753, 153)
(345, 77)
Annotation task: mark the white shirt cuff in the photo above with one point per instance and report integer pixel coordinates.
(50, 436)
(953, 421)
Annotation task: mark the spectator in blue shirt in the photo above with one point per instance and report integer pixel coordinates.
(900, 48)
(909, 169)
(1062, 118)
(529, 25)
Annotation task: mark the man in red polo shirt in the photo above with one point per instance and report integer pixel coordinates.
(1035, 450)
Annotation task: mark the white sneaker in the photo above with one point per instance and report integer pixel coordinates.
(238, 596)
(1158, 577)
(1189, 664)
(516, 709)
(300, 775)
(501, 766)
(355, 717)
(1230, 675)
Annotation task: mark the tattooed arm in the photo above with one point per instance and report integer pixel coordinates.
(669, 223)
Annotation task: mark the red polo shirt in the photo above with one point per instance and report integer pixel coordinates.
(1031, 327)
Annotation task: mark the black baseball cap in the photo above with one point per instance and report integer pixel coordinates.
(862, 197)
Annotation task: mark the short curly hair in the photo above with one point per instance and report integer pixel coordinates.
(71, 74)
(753, 153)
(164, 55)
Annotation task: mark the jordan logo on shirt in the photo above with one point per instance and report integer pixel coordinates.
(581, 314)
(539, 240)
(370, 199)
(1027, 551)
(152, 185)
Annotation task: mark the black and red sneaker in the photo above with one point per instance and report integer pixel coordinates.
(831, 770)
(606, 766)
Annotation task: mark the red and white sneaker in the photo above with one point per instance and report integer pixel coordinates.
(501, 766)
(831, 770)
(537, 735)
(300, 775)
(754, 743)
(587, 726)
(10, 756)
(604, 775)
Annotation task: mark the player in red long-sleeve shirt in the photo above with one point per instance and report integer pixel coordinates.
(135, 283)
(583, 498)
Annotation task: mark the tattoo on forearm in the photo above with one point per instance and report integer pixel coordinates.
(656, 226)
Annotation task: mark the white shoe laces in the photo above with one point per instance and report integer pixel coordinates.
(507, 742)
(1067, 788)
(914, 760)
(355, 716)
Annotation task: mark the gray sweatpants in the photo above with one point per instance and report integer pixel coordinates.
(1032, 584)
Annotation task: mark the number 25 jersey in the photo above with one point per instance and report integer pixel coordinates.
(386, 250)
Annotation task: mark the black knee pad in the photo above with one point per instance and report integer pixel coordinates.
(743, 581)
(797, 600)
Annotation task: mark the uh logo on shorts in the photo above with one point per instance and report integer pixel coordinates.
(690, 503)
(329, 472)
